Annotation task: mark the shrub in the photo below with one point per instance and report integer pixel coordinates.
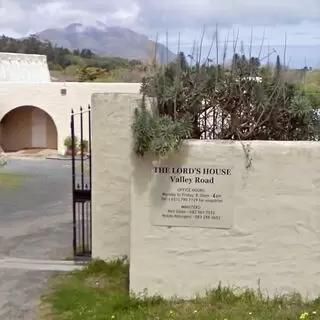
(3, 161)
(68, 142)
(83, 145)
(242, 101)
(158, 135)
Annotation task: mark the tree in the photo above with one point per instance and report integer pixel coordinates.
(60, 58)
(87, 74)
(86, 53)
(278, 69)
(182, 61)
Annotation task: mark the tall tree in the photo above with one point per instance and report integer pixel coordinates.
(278, 68)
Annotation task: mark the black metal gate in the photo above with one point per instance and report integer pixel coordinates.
(81, 182)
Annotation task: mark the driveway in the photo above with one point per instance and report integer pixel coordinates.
(35, 223)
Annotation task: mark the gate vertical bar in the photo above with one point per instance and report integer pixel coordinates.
(81, 146)
(83, 220)
(90, 178)
(89, 147)
(82, 209)
(73, 184)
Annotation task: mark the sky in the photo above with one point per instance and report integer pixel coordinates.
(294, 21)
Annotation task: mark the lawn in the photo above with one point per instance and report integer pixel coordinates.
(100, 292)
(11, 180)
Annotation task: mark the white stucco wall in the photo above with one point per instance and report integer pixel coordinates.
(275, 237)
(20, 67)
(111, 173)
(48, 97)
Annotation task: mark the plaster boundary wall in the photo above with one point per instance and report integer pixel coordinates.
(111, 173)
(275, 237)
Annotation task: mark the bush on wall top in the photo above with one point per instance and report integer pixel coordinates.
(158, 135)
(242, 101)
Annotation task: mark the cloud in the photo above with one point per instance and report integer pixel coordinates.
(151, 16)
(191, 13)
(162, 14)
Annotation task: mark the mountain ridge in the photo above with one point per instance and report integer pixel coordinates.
(107, 41)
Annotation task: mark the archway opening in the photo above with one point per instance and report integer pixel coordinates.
(28, 127)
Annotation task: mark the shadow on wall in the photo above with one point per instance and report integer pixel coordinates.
(27, 127)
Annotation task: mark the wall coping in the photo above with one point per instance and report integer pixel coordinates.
(264, 143)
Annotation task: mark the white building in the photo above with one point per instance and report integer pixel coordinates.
(35, 112)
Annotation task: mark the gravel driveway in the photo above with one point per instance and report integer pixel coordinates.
(35, 223)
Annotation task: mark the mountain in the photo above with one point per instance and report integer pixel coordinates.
(106, 41)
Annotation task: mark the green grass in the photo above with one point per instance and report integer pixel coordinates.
(313, 77)
(100, 292)
(11, 180)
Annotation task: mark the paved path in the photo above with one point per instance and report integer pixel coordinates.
(35, 223)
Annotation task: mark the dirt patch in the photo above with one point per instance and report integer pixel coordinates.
(33, 153)
(44, 312)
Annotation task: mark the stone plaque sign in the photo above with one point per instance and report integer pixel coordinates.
(192, 197)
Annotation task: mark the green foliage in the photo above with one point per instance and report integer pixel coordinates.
(278, 68)
(158, 135)
(59, 58)
(241, 102)
(246, 67)
(3, 161)
(313, 94)
(87, 74)
(68, 142)
(83, 145)
(100, 291)
(300, 104)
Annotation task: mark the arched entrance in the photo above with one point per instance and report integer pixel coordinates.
(27, 127)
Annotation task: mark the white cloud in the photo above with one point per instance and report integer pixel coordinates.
(10, 13)
(188, 16)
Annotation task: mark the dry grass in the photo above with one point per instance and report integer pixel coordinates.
(44, 312)
(11, 180)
